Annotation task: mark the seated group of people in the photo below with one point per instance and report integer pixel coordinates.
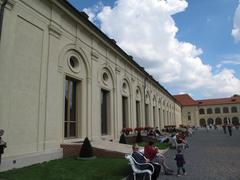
(151, 155)
(154, 132)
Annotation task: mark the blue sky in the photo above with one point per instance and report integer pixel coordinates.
(188, 46)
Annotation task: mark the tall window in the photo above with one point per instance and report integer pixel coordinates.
(138, 113)
(159, 116)
(217, 110)
(209, 111)
(154, 116)
(189, 116)
(105, 112)
(234, 109)
(146, 115)
(225, 110)
(164, 118)
(125, 111)
(70, 121)
(201, 111)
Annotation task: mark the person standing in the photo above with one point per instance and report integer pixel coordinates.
(230, 129)
(224, 128)
(179, 158)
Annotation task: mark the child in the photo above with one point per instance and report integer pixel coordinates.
(180, 162)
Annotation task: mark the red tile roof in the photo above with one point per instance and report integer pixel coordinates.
(187, 100)
(231, 100)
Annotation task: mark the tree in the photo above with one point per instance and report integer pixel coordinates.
(86, 150)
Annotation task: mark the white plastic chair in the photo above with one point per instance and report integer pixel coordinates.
(134, 164)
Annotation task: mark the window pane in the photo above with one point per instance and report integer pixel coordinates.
(138, 113)
(70, 108)
(73, 101)
(65, 130)
(104, 112)
(73, 129)
(124, 111)
(146, 115)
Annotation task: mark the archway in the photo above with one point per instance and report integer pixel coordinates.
(235, 121)
(202, 122)
(210, 121)
(218, 121)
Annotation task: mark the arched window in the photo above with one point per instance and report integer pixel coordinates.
(234, 109)
(209, 111)
(217, 110)
(235, 121)
(218, 121)
(201, 111)
(225, 110)
(210, 121)
(202, 122)
(226, 120)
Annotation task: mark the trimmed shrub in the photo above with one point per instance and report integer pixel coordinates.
(122, 139)
(86, 150)
(139, 137)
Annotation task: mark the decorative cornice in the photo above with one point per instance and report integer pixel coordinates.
(55, 31)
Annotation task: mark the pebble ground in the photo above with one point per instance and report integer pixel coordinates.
(212, 155)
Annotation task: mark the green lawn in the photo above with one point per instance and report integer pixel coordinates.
(72, 169)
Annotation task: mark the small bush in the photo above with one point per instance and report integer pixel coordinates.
(122, 139)
(139, 137)
(86, 150)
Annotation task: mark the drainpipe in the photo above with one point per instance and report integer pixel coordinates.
(144, 93)
(4, 2)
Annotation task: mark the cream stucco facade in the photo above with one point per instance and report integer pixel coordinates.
(211, 114)
(50, 53)
(207, 112)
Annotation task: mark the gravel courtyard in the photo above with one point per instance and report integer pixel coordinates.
(212, 155)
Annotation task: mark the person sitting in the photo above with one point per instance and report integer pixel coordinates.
(153, 154)
(151, 133)
(140, 158)
(157, 132)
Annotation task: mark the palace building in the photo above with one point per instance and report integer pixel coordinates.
(210, 111)
(62, 79)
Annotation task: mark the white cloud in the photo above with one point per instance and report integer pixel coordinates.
(236, 24)
(91, 12)
(231, 59)
(146, 30)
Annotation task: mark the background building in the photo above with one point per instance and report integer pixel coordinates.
(210, 111)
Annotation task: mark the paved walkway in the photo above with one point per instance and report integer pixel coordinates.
(212, 155)
(115, 146)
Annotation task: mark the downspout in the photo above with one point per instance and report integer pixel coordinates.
(4, 2)
(144, 106)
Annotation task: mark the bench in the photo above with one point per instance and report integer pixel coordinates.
(135, 167)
